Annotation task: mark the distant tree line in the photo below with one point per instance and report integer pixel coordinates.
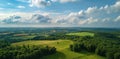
(103, 44)
(55, 36)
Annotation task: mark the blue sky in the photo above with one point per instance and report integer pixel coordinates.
(55, 6)
(81, 13)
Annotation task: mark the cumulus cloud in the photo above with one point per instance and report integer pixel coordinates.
(108, 15)
(37, 18)
(12, 19)
(39, 3)
(94, 16)
(117, 19)
(44, 3)
(33, 19)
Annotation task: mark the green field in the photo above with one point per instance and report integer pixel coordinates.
(81, 34)
(62, 48)
(119, 36)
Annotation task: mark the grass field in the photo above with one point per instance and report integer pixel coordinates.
(119, 36)
(81, 34)
(62, 48)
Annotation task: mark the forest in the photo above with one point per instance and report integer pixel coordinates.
(104, 42)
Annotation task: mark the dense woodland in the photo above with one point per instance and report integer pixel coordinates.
(104, 43)
(25, 52)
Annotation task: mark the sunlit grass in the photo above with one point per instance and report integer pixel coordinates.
(63, 51)
(81, 34)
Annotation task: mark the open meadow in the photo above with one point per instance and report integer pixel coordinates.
(63, 51)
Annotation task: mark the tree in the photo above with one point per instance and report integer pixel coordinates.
(110, 55)
(117, 55)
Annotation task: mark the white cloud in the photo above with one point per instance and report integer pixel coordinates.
(88, 21)
(12, 19)
(23, 19)
(37, 18)
(21, 6)
(44, 3)
(39, 3)
(108, 15)
(116, 7)
(94, 16)
(117, 19)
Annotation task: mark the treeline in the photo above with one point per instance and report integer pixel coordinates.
(7, 41)
(103, 44)
(50, 36)
(26, 52)
(11, 39)
(55, 36)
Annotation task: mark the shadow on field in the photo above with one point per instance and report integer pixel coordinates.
(58, 55)
(86, 53)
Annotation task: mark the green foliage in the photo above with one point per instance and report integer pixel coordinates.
(117, 56)
(4, 43)
(25, 52)
(63, 51)
(104, 45)
(110, 55)
(81, 34)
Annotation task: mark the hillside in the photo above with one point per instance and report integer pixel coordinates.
(63, 51)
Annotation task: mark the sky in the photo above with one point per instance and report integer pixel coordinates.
(60, 13)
